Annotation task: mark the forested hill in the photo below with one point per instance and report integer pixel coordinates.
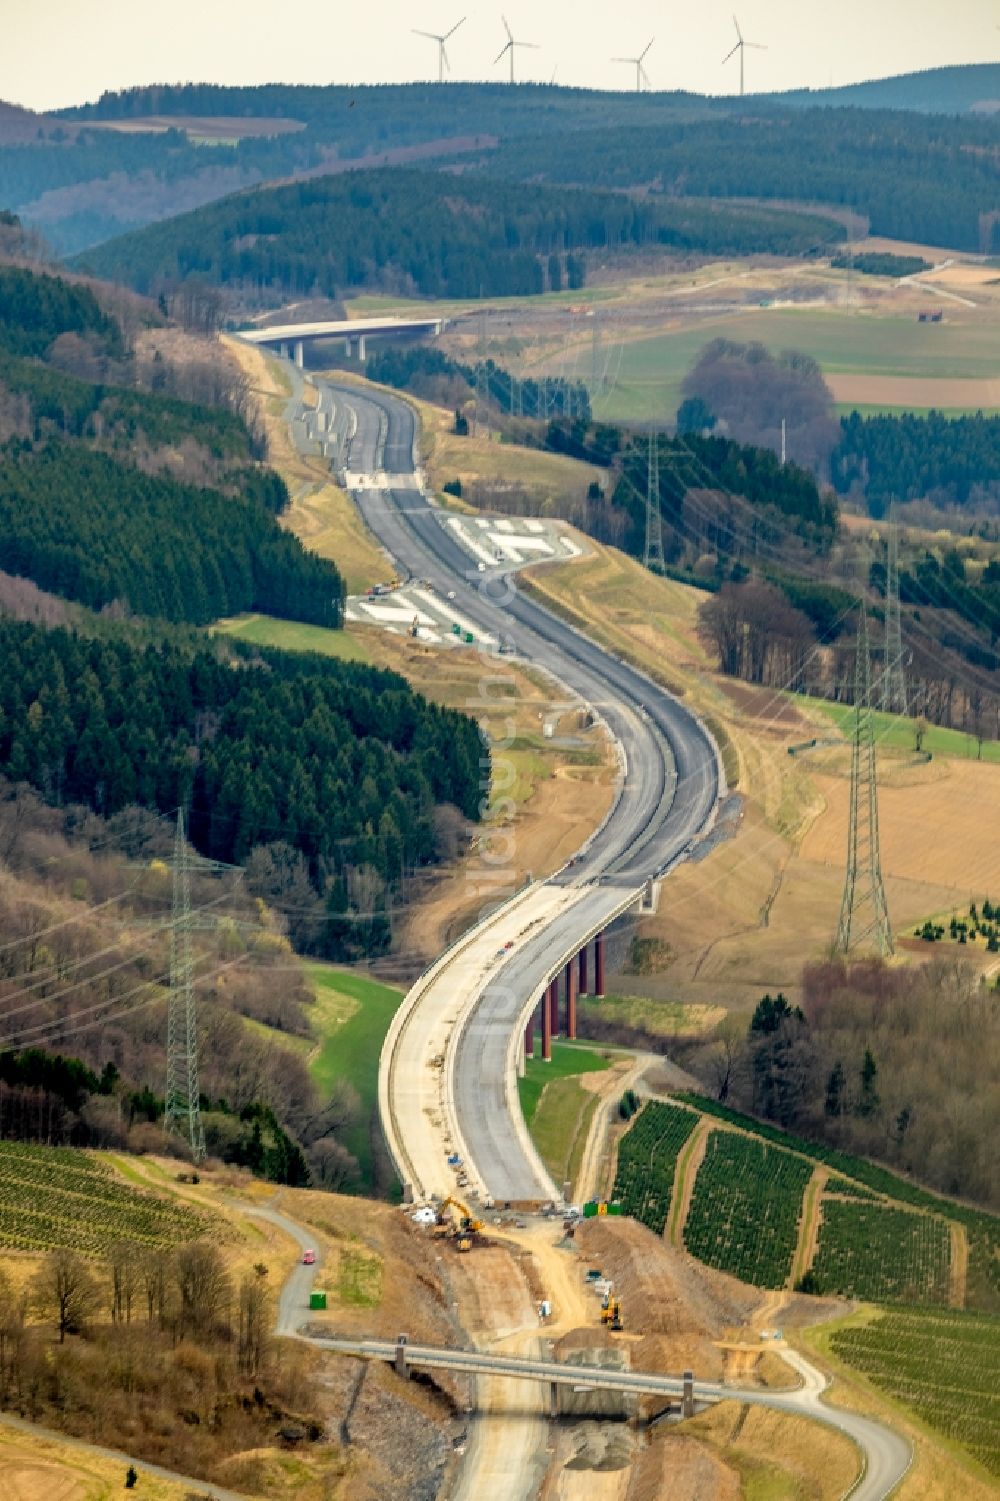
(915, 177)
(95, 184)
(407, 112)
(941, 91)
(331, 764)
(715, 495)
(91, 507)
(428, 234)
(36, 309)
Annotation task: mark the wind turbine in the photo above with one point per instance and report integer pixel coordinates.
(740, 45)
(511, 45)
(641, 76)
(432, 36)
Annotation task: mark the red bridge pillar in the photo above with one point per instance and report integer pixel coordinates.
(571, 1000)
(599, 965)
(547, 1026)
(582, 967)
(554, 1006)
(529, 1037)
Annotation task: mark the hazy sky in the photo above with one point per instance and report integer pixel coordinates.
(59, 52)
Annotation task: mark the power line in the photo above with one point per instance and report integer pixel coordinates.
(183, 1098)
(864, 915)
(652, 556)
(894, 696)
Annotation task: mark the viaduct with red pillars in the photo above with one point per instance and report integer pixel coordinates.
(573, 983)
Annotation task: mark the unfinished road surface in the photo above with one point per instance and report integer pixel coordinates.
(449, 1066)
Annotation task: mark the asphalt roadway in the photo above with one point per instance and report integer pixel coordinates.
(669, 788)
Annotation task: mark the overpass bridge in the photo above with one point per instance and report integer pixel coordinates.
(578, 1376)
(885, 1456)
(291, 338)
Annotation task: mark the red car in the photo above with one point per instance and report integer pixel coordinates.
(309, 1258)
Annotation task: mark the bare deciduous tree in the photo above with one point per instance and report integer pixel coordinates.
(66, 1289)
(254, 1323)
(203, 1287)
(125, 1280)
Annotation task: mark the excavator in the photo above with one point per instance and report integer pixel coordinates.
(611, 1313)
(461, 1230)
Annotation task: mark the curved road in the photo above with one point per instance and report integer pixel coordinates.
(669, 790)
(886, 1455)
(670, 787)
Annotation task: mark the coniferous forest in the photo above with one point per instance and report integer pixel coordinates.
(948, 460)
(342, 762)
(92, 529)
(396, 230)
(88, 507)
(339, 767)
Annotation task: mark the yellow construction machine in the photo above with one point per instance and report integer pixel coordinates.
(461, 1229)
(611, 1313)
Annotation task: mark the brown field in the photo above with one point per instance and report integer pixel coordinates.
(35, 1468)
(915, 392)
(964, 276)
(941, 830)
(744, 919)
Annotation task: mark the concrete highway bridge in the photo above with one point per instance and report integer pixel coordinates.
(290, 339)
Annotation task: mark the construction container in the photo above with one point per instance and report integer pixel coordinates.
(317, 1302)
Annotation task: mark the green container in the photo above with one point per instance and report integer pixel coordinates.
(317, 1301)
(590, 1209)
(469, 638)
(615, 1209)
(456, 629)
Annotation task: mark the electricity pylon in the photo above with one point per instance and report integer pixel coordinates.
(653, 551)
(183, 1107)
(894, 697)
(864, 915)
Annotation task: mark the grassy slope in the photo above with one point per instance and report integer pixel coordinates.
(484, 460)
(351, 1019)
(37, 1468)
(557, 1108)
(660, 1018)
(894, 731)
(293, 635)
